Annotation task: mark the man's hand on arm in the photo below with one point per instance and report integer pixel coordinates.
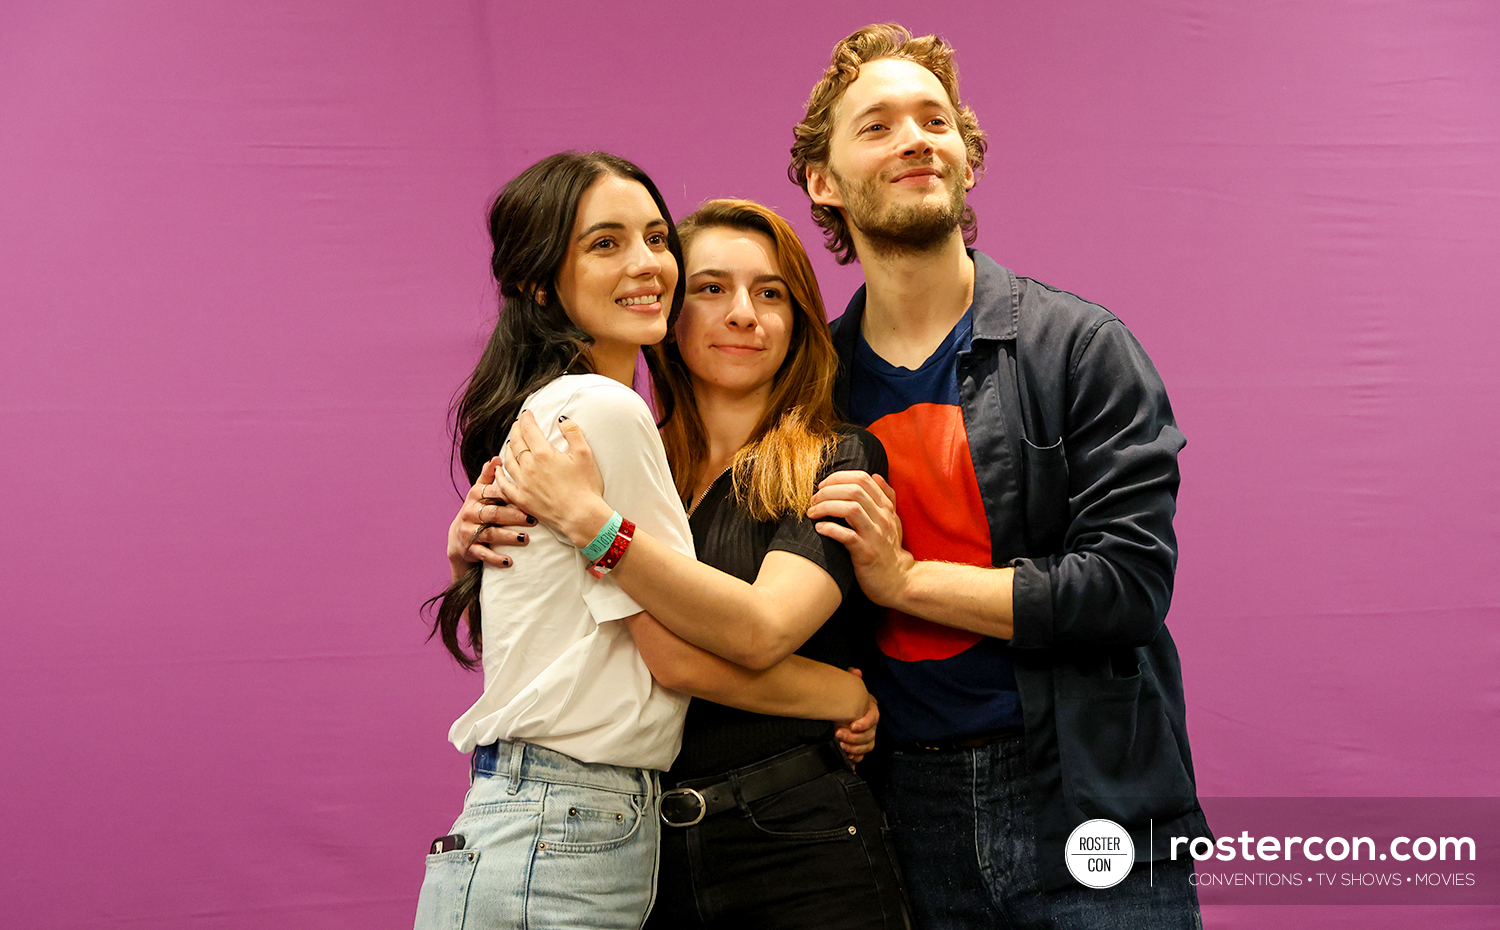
(871, 531)
(963, 596)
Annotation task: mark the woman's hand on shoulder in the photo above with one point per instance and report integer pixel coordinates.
(561, 489)
(485, 520)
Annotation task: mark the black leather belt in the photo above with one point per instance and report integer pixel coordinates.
(691, 801)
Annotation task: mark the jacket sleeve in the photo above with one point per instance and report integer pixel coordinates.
(1115, 467)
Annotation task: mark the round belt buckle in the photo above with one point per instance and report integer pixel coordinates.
(675, 807)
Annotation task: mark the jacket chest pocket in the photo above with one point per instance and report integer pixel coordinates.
(1046, 496)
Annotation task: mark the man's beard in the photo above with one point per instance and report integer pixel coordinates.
(901, 229)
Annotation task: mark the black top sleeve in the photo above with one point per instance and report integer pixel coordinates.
(718, 738)
(857, 450)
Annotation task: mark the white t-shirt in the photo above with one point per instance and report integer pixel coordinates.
(557, 671)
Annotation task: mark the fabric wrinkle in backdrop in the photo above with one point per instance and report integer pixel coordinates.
(244, 269)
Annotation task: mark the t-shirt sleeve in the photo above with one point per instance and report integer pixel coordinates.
(857, 450)
(637, 481)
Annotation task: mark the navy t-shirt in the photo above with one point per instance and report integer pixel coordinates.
(941, 683)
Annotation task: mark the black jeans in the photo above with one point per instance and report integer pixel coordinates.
(813, 856)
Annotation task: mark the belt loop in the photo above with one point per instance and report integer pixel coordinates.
(832, 750)
(734, 787)
(517, 754)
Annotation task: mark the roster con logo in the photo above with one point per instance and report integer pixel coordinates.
(1099, 853)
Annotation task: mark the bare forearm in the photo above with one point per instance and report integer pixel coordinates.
(794, 687)
(966, 597)
(754, 625)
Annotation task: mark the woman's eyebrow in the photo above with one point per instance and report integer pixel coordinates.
(611, 224)
(720, 273)
(598, 226)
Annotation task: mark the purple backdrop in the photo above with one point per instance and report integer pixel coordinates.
(244, 268)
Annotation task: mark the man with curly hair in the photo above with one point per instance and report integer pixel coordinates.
(1023, 548)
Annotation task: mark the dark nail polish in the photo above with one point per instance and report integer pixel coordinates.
(562, 418)
(530, 520)
(521, 538)
(505, 563)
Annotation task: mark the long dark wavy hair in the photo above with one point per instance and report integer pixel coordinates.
(531, 225)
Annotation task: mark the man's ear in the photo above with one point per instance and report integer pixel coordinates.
(823, 188)
(969, 179)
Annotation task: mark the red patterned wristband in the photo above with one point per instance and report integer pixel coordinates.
(611, 556)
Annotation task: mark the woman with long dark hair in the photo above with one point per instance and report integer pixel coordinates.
(765, 826)
(580, 707)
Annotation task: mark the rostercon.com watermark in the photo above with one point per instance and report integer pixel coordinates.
(1317, 848)
(1342, 851)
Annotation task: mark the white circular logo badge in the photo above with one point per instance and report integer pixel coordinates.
(1100, 853)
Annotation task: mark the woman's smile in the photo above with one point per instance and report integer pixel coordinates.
(618, 260)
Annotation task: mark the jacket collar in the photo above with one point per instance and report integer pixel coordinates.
(996, 306)
(997, 299)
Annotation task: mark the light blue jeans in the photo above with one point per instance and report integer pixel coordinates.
(548, 842)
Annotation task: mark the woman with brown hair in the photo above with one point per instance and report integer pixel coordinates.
(584, 693)
(765, 823)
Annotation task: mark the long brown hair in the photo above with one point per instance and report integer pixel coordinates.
(774, 473)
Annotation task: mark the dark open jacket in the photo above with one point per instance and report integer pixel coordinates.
(1075, 450)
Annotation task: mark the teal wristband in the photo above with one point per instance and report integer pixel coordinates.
(594, 550)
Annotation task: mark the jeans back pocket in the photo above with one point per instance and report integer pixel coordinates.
(444, 898)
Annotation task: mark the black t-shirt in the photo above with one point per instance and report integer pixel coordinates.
(717, 738)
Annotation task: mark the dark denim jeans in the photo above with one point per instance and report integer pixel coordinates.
(963, 830)
(816, 855)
